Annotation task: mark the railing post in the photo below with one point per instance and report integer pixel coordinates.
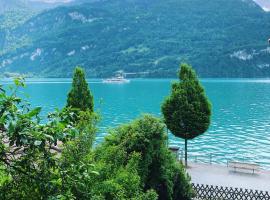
(182, 155)
(167, 136)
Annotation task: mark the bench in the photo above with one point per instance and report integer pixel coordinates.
(243, 166)
(175, 151)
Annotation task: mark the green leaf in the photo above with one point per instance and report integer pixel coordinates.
(49, 137)
(94, 172)
(34, 112)
(37, 143)
(17, 82)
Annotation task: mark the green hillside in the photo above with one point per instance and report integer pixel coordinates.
(220, 38)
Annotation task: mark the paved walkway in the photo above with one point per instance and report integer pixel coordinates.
(218, 175)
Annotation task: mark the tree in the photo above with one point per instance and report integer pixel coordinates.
(187, 111)
(80, 96)
(55, 160)
(28, 161)
(43, 160)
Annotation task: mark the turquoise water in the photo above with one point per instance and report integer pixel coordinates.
(240, 127)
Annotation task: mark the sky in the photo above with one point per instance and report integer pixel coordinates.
(53, 1)
(265, 4)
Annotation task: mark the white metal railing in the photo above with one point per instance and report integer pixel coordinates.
(216, 158)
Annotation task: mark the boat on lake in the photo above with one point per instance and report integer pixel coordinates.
(118, 78)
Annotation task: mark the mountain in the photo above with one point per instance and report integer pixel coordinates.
(220, 38)
(6, 5)
(36, 5)
(33, 5)
(16, 12)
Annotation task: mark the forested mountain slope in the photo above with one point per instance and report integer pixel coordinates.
(220, 38)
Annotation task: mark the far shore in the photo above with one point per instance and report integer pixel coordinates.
(92, 79)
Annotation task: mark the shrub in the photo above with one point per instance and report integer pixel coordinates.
(157, 168)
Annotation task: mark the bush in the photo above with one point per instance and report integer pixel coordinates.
(156, 167)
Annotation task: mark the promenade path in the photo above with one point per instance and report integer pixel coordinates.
(218, 175)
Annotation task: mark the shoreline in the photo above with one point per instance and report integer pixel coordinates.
(213, 79)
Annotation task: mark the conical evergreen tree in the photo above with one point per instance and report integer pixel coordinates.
(80, 96)
(187, 111)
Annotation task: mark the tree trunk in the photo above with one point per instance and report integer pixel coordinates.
(167, 137)
(186, 152)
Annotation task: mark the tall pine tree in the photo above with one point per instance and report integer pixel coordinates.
(80, 96)
(187, 111)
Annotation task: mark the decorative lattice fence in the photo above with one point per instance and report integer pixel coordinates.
(209, 192)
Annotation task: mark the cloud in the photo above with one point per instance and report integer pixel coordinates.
(265, 4)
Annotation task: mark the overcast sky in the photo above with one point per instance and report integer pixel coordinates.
(53, 1)
(263, 3)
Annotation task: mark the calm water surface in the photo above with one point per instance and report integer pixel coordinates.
(241, 112)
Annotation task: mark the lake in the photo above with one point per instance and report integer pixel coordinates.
(240, 126)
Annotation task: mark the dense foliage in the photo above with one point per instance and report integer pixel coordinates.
(220, 38)
(80, 96)
(187, 111)
(56, 160)
(157, 168)
(9, 21)
(29, 150)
